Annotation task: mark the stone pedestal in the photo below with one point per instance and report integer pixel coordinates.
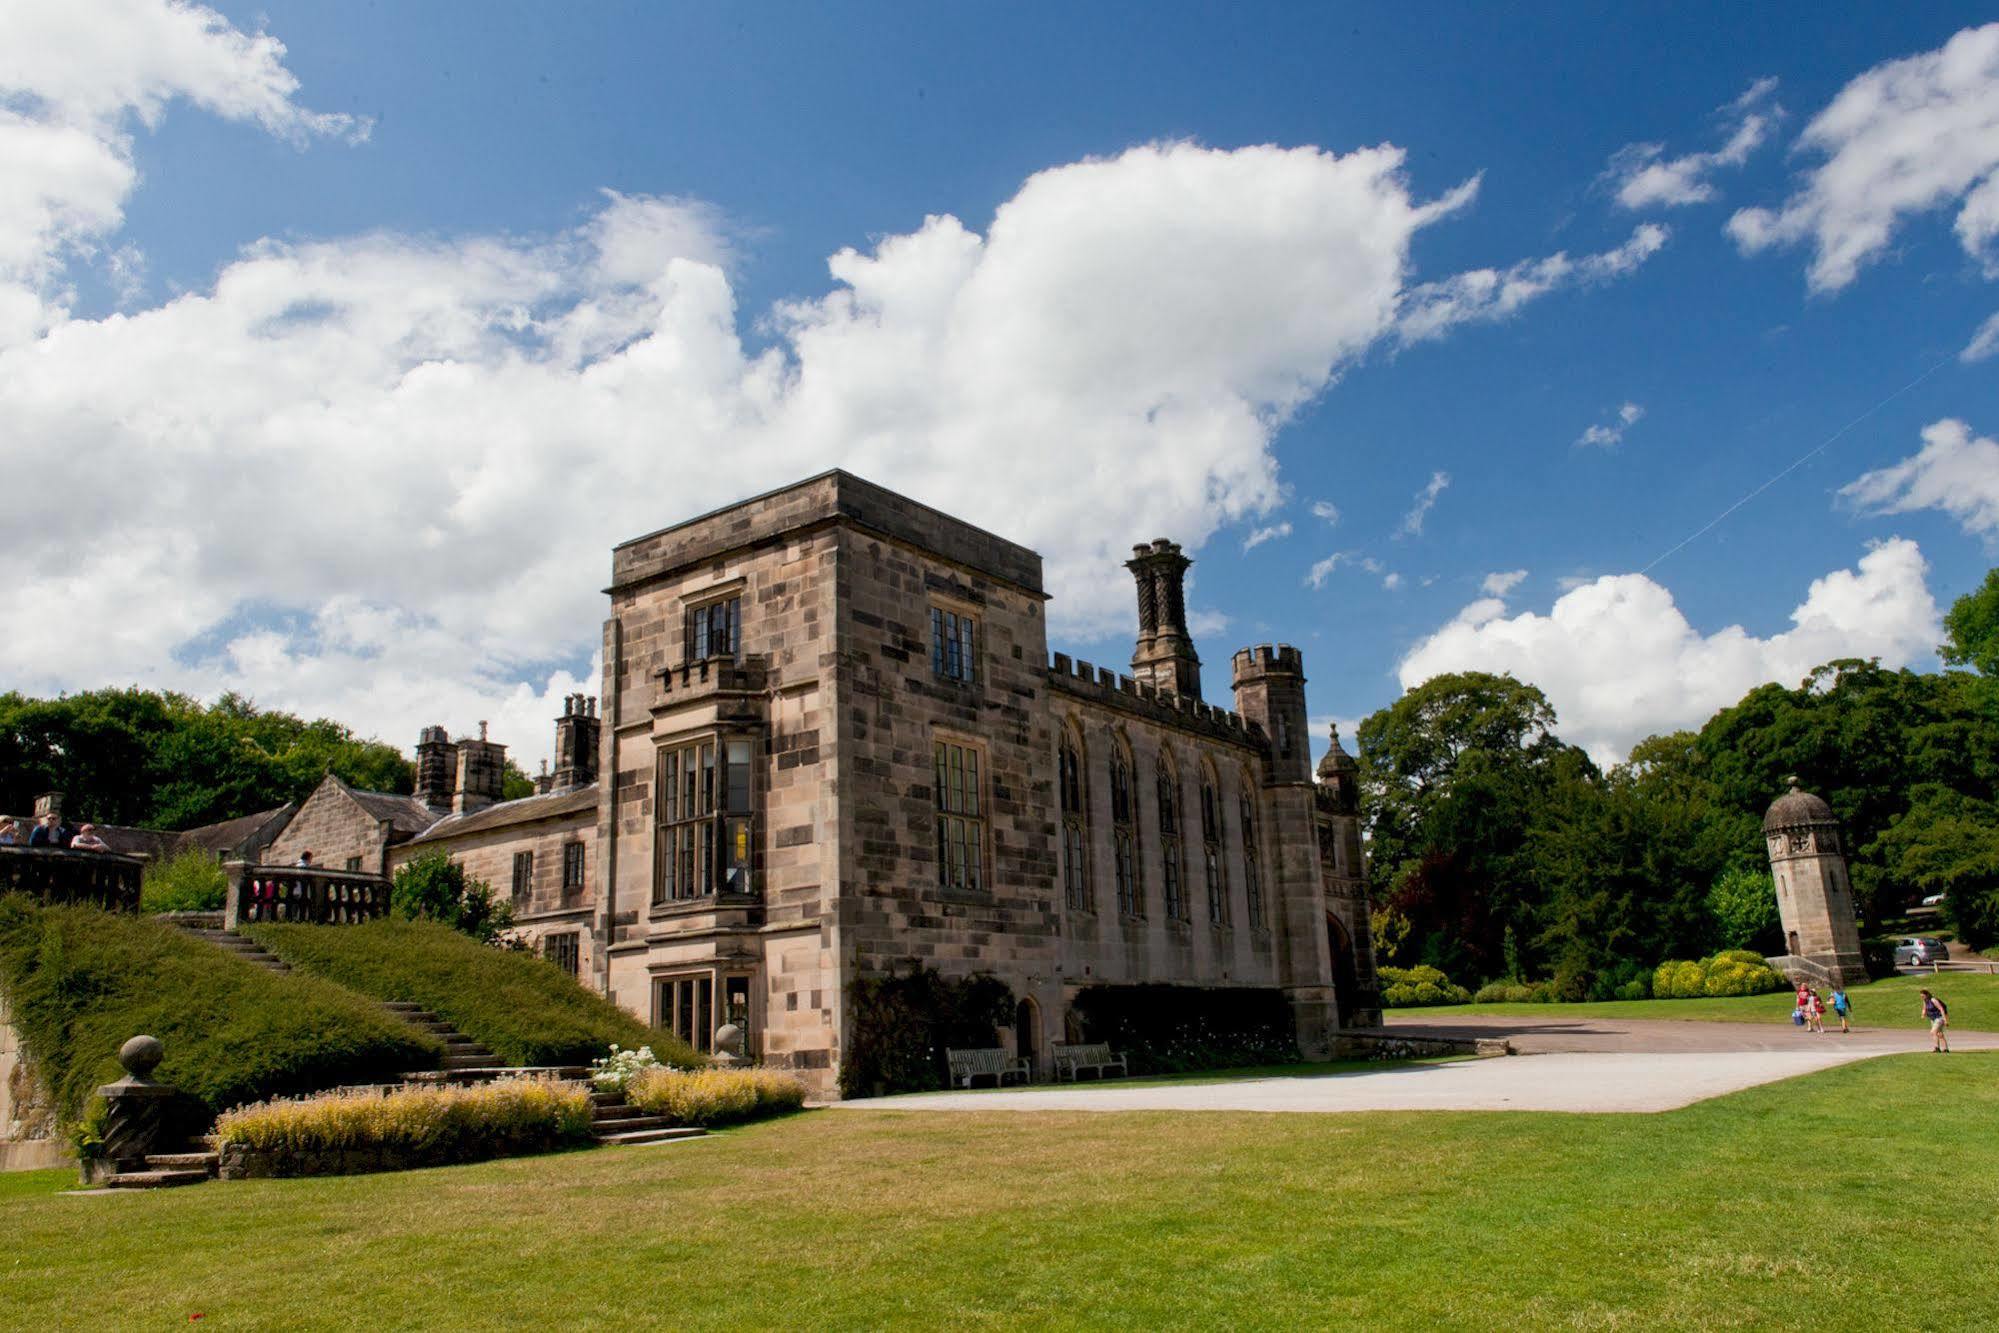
(135, 1108)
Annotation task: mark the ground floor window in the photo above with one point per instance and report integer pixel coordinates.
(685, 1006)
(563, 950)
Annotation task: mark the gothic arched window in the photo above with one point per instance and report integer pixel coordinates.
(1211, 848)
(1074, 792)
(1169, 839)
(1124, 832)
(1252, 861)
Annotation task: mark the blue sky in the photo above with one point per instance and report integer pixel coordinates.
(763, 141)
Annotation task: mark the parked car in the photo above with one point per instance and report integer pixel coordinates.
(1934, 900)
(1919, 952)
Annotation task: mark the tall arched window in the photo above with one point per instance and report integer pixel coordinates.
(1169, 839)
(1075, 823)
(1252, 862)
(1124, 832)
(1211, 848)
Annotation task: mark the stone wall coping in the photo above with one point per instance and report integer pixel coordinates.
(835, 498)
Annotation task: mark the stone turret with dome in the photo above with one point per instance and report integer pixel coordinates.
(1814, 893)
(1339, 774)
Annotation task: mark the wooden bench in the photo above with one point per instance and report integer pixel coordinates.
(992, 1063)
(1072, 1060)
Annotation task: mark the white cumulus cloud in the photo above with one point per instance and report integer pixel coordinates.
(1620, 662)
(1906, 137)
(1642, 176)
(1326, 511)
(377, 476)
(1954, 472)
(1500, 584)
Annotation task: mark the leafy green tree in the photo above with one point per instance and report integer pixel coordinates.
(1743, 903)
(1948, 843)
(1971, 629)
(163, 760)
(433, 887)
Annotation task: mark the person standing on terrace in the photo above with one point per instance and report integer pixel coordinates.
(86, 840)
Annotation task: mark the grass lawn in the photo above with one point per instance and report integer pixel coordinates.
(1784, 1205)
(1973, 998)
(1296, 1069)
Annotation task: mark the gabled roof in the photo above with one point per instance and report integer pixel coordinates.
(407, 815)
(234, 834)
(526, 810)
(134, 841)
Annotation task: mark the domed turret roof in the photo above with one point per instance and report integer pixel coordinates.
(1337, 760)
(1796, 808)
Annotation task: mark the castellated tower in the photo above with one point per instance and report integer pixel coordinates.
(1165, 656)
(482, 771)
(1814, 895)
(1270, 691)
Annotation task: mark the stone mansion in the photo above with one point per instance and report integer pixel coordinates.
(833, 742)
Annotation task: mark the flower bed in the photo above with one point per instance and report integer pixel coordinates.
(714, 1096)
(360, 1130)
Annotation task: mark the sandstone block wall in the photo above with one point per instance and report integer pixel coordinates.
(335, 830)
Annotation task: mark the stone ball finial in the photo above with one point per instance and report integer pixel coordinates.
(141, 1056)
(728, 1045)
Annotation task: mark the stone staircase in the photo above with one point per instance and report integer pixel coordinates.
(613, 1119)
(165, 1171)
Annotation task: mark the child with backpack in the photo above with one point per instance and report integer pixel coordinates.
(1842, 1006)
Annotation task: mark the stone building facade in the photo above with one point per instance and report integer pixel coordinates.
(834, 742)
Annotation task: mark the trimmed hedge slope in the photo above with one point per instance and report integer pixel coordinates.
(81, 982)
(527, 1011)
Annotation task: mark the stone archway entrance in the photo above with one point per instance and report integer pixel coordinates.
(1346, 976)
(1027, 1033)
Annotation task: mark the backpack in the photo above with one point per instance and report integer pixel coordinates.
(1797, 1018)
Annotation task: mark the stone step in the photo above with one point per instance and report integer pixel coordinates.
(154, 1180)
(183, 1161)
(476, 1060)
(486, 1073)
(641, 1137)
(613, 1124)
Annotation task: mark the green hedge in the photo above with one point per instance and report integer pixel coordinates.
(81, 982)
(527, 1011)
(1416, 987)
(1731, 972)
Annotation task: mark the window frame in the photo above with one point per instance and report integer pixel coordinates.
(1214, 868)
(714, 851)
(574, 855)
(669, 1013)
(571, 960)
(1252, 856)
(959, 833)
(1128, 868)
(1072, 788)
(523, 875)
(698, 627)
(1172, 841)
(955, 636)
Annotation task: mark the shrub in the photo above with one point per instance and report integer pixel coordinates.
(526, 1010)
(433, 887)
(715, 1096)
(1513, 992)
(1167, 1029)
(188, 881)
(903, 1024)
(1732, 972)
(1878, 956)
(615, 1072)
(80, 982)
(1414, 987)
(1635, 989)
(362, 1129)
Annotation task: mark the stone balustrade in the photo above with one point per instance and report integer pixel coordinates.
(303, 894)
(57, 875)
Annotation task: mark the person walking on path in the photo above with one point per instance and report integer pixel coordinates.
(1815, 1013)
(1842, 1006)
(1938, 1014)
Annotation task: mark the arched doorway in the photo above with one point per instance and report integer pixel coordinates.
(1346, 979)
(1791, 943)
(1027, 1033)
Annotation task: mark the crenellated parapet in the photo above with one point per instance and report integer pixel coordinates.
(1267, 659)
(1142, 699)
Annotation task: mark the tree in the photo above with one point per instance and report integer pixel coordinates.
(1743, 903)
(164, 760)
(1971, 629)
(434, 887)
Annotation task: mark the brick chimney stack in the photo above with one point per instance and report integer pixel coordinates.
(1165, 657)
(577, 732)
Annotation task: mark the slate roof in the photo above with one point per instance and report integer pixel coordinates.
(526, 810)
(407, 815)
(233, 834)
(1796, 808)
